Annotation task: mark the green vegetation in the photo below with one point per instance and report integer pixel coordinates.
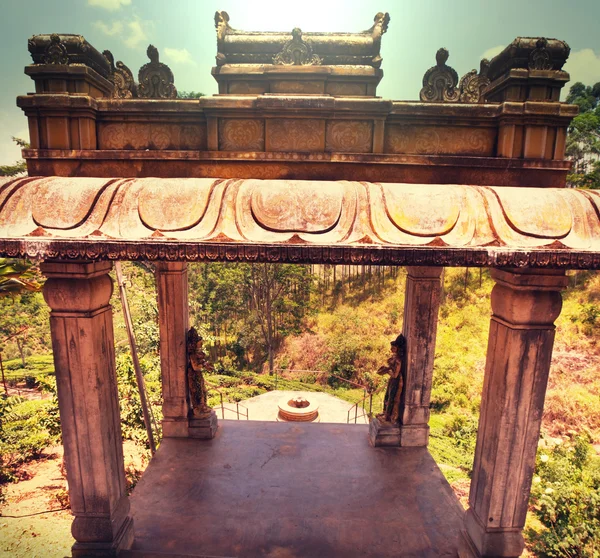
(331, 323)
(583, 142)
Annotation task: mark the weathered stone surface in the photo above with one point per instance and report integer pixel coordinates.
(524, 305)
(83, 346)
(421, 306)
(233, 219)
(172, 291)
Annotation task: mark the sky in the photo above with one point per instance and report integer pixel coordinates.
(183, 31)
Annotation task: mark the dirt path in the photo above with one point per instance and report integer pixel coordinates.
(32, 524)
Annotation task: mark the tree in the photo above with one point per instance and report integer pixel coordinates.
(279, 296)
(583, 142)
(20, 167)
(189, 94)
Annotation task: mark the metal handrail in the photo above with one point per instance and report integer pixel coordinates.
(223, 407)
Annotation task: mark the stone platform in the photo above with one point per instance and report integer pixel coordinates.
(267, 489)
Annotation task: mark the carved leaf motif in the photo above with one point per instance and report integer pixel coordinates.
(297, 52)
(540, 58)
(297, 206)
(242, 134)
(440, 81)
(296, 135)
(56, 52)
(473, 84)
(352, 136)
(124, 86)
(156, 79)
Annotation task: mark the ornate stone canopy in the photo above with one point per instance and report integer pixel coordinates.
(294, 220)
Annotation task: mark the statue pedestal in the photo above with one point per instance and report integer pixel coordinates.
(384, 433)
(203, 428)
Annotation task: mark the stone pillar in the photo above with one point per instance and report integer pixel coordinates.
(421, 306)
(525, 304)
(173, 317)
(83, 344)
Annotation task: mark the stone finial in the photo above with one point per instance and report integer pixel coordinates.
(56, 51)
(440, 81)
(155, 78)
(297, 52)
(540, 58)
(473, 84)
(124, 86)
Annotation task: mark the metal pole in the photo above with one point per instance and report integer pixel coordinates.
(134, 357)
(222, 408)
(355, 413)
(3, 378)
(237, 410)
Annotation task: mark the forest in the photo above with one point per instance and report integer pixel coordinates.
(326, 328)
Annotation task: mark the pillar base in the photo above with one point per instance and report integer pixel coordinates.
(203, 428)
(175, 428)
(123, 541)
(414, 436)
(384, 434)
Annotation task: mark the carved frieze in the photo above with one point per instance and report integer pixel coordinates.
(298, 221)
(149, 135)
(124, 86)
(349, 136)
(295, 134)
(440, 81)
(435, 140)
(241, 134)
(155, 78)
(297, 52)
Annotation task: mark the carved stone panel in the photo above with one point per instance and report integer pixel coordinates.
(153, 136)
(432, 140)
(349, 136)
(340, 89)
(241, 134)
(312, 87)
(297, 134)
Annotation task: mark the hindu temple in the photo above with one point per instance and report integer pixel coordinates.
(298, 160)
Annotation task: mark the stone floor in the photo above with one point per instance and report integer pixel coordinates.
(283, 490)
(264, 407)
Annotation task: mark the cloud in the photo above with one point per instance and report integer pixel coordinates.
(584, 66)
(132, 33)
(179, 56)
(110, 5)
(494, 51)
(116, 28)
(135, 34)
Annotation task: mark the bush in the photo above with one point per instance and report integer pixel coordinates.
(566, 499)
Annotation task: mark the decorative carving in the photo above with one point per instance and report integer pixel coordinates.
(156, 79)
(296, 134)
(435, 140)
(124, 86)
(299, 222)
(56, 51)
(380, 26)
(472, 85)
(241, 134)
(66, 49)
(350, 136)
(440, 81)
(391, 403)
(222, 27)
(150, 135)
(540, 58)
(197, 364)
(297, 52)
